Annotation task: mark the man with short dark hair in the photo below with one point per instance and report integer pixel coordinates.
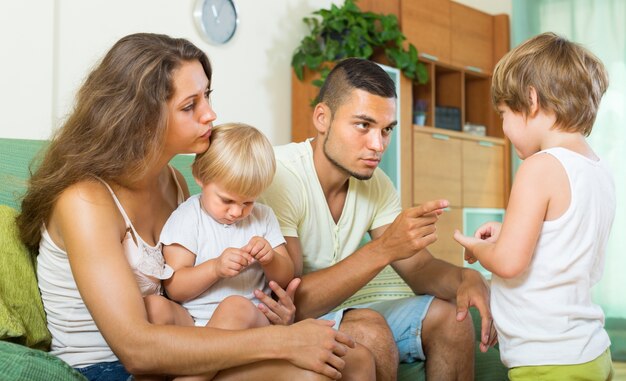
(328, 193)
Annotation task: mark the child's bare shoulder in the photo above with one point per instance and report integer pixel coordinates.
(540, 164)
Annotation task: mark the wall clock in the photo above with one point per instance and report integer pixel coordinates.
(216, 20)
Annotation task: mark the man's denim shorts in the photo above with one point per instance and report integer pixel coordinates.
(404, 317)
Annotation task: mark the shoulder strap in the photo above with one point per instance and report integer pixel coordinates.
(119, 205)
(180, 196)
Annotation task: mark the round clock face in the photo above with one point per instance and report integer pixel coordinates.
(216, 20)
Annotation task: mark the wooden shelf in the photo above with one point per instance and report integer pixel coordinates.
(458, 134)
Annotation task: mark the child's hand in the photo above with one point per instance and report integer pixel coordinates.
(467, 242)
(260, 249)
(489, 231)
(232, 261)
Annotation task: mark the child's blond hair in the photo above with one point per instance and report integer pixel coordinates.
(240, 159)
(569, 81)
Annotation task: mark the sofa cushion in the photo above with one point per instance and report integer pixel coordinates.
(16, 156)
(19, 363)
(22, 318)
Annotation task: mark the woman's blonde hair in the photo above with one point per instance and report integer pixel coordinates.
(239, 158)
(569, 80)
(117, 127)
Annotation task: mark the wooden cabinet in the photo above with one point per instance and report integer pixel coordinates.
(437, 170)
(451, 33)
(446, 248)
(426, 24)
(467, 170)
(302, 94)
(471, 38)
(483, 173)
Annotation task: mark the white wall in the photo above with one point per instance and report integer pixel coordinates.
(493, 7)
(50, 45)
(26, 70)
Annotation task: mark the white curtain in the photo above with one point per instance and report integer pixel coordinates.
(599, 25)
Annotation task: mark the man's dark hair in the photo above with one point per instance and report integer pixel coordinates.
(355, 73)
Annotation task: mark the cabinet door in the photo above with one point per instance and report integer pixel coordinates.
(436, 167)
(426, 24)
(471, 38)
(483, 174)
(386, 7)
(446, 248)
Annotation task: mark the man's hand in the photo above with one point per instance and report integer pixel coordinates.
(316, 346)
(412, 230)
(283, 311)
(474, 291)
(232, 261)
(260, 249)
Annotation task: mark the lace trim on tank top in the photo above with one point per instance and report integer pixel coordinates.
(149, 261)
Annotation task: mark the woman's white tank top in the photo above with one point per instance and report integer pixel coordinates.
(75, 337)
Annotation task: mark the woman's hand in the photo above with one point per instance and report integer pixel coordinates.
(317, 346)
(283, 311)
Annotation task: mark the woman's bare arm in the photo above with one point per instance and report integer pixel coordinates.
(90, 228)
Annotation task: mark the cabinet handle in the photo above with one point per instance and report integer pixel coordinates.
(474, 68)
(485, 144)
(429, 56)
(441, 137)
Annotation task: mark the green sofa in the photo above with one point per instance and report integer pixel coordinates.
(23, 334)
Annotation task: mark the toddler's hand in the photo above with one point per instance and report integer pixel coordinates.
(260, 249)
(232, 261)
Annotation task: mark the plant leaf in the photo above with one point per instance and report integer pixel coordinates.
(345, 31)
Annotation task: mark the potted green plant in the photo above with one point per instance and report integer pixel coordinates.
(346, 31)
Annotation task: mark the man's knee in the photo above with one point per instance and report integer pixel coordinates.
(440, 324)
(369, 328)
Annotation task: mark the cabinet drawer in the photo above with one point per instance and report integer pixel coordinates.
(483, 174)
(436, 168)
(446, 248)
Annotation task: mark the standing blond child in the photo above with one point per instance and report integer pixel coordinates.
(550, 249)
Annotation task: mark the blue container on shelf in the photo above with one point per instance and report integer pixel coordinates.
(448, 118)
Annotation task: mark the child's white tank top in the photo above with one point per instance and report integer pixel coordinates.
(545, 316)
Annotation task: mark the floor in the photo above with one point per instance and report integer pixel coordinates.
(620, 371)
